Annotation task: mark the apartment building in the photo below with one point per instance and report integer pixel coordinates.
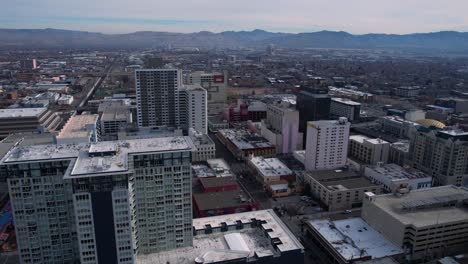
(327, 144)
(102, 202)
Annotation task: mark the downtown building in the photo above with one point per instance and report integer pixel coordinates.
(281, 128)
(327, 144)
(157, 93)
(216, 87)
(104, 202)
(443, 154)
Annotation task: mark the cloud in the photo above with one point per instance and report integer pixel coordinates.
(355, 16)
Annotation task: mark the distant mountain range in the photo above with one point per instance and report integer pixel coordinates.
(56, 38)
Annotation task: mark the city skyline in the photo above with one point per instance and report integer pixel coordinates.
(357, 17)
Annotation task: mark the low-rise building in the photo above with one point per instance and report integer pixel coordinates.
(220, 195)
(368, 150)
(348, 241)
(65, 99)
(243, 143)
(339, 190)
(426, 223)
(20, 120)
(250, 237)
(394, 177)
(340, 107)
(206, 148)
(273, 174)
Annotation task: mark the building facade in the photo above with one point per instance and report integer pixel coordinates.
(443, 154)
(427, 223)
(100, 203)
(157, 93)
(281, 128)
(327, 144)
(194, 102)
(368, 150)
(340, 107)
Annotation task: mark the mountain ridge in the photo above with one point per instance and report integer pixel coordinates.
(62, 38)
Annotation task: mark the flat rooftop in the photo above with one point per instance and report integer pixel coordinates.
(244, 139)
(424, 206)
(21, 112)
(395, 172)
(77, 126)
(353, 238)
(220, 167)
(202, 171)
(270, 167)
(87, 163)
(338, 180)
(217, 181)
(246, 244)
(345, 101)
(361, 139)
(220, 200)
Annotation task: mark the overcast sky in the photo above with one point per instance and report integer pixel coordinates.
(122, 16)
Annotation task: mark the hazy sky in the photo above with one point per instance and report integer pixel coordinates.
(122, 16)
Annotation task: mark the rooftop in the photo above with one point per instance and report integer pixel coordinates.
(338, 180)
(220, 167)
(97, 158)
(201, 171)
(220, 200)
(353, 238)
(395, 172)
(21, 112)
(361, 139)
(244, 139)
(345, 101)
(270, 167)
(77, 126)
(252, 241)
(424, 207)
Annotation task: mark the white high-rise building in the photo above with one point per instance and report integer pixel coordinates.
(194, 102)
(327, 144)
(157, 94)
(101, 202)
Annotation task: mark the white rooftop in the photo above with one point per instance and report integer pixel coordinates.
(220, 167)
(21, 112)
(353, 238)
(86, 162)
(361, 139)
(345, 101)
(270, 167)
(245, 243)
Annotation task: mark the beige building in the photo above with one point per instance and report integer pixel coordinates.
(22, 120)
(368, 150)
(443, 154)
(428, 223)
(339, 190)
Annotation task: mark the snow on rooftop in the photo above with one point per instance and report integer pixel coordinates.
(353, 238)
(270, 167)
(21, 112)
